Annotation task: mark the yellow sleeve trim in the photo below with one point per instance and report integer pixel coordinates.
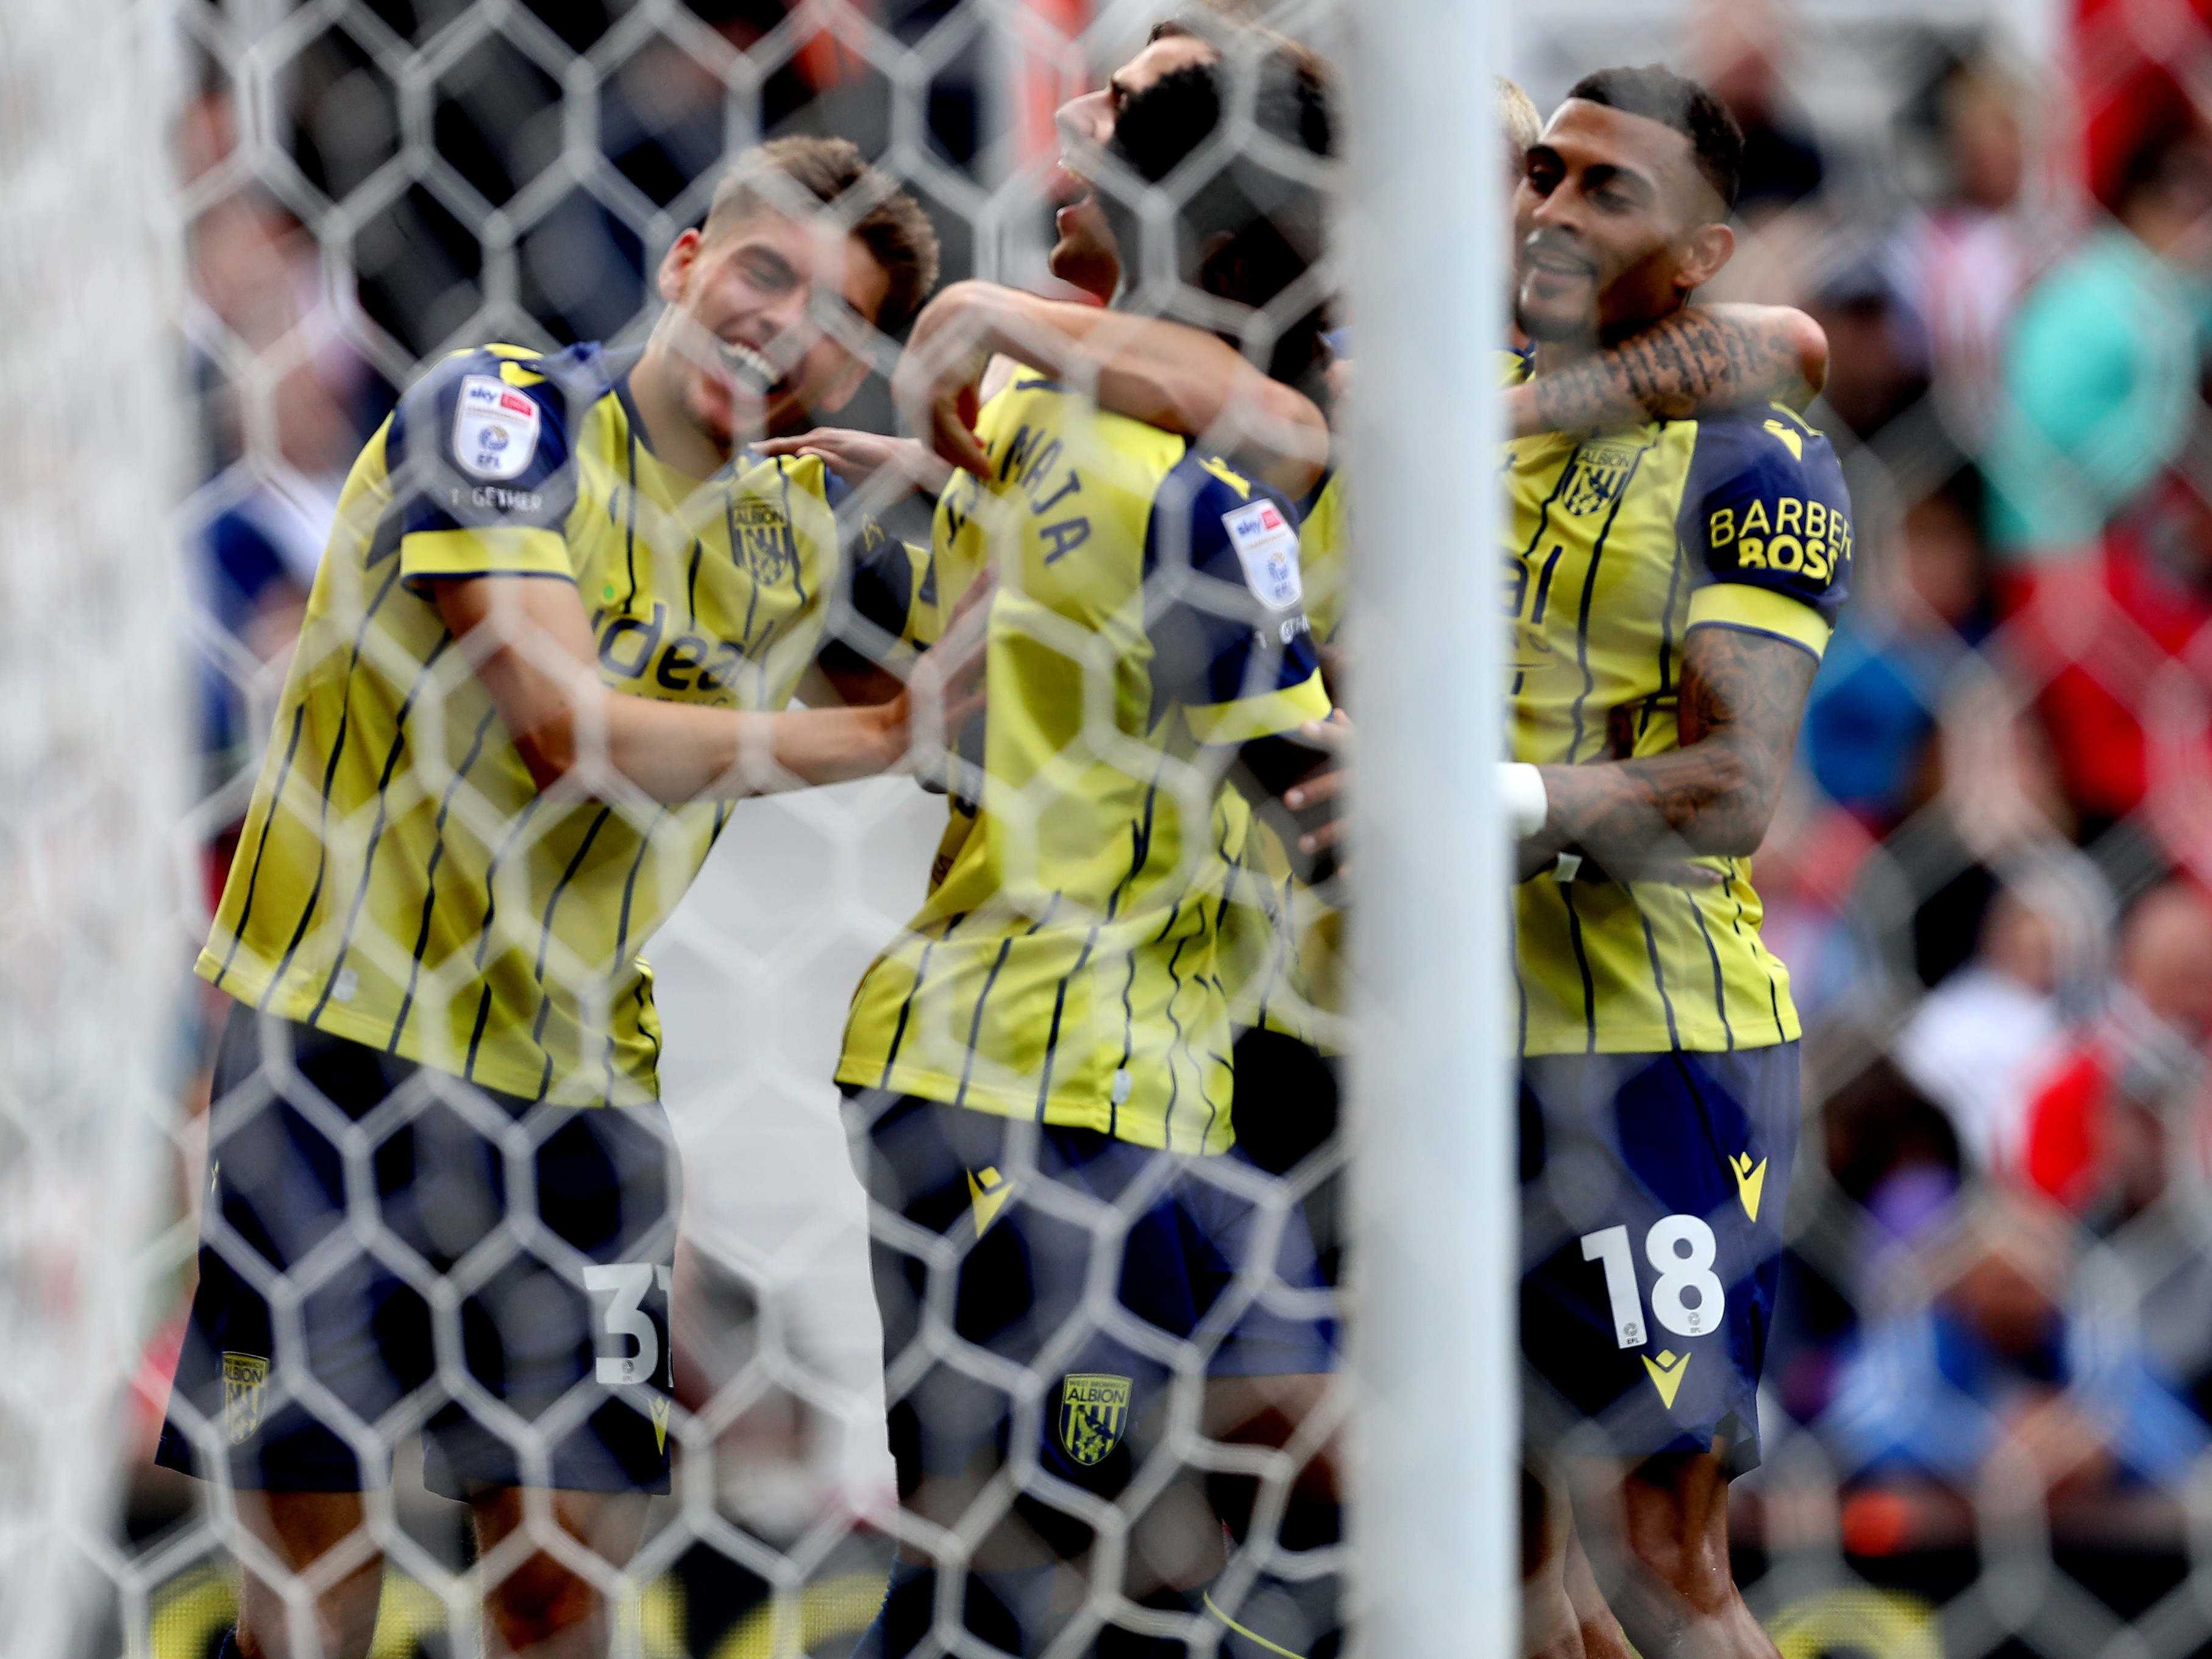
(1263, 716)
(494, 550)
(1762, 610)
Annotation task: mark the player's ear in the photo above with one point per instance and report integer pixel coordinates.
(676, 265)
(1708, 248)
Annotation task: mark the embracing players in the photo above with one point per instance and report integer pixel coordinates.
(561, 610)
(1670, 587)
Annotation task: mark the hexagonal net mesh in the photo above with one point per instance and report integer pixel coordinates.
(939, 1248)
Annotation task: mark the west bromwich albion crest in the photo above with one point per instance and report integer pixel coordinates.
(762, 541)
(245, 1387)
(1599, 473)
(1093, 1411)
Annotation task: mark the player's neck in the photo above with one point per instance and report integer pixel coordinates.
(1554, 356)
(675, 440)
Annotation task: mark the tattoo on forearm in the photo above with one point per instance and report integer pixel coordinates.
(1743, 695)
(1695, 360)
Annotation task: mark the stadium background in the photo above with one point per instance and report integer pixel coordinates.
(1991, 1389)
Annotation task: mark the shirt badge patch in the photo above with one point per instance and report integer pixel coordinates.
(1093, 1412)
(1600, 473)
(245, 1389)
(1268, 546)
(494, 429)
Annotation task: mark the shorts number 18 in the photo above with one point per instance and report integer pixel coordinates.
(1681, 1248)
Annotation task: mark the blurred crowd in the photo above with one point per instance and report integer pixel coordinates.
(1993, 882)
(1990, 884)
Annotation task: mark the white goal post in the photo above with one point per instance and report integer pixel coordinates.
(93, 760)
(1434, 1335)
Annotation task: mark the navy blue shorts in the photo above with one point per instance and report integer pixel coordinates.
(1080, 1275)
(386, 1248)
(1652, 1188)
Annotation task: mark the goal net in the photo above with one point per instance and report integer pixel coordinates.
(97, 778)
(1031, 1196)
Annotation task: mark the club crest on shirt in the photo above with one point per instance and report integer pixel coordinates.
(760, 541)
(1093, 1411)
(1267, 543)
(494, 429)
(245, 1389)
(1599, 473)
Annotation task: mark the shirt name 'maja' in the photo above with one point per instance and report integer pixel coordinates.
(1032, 462)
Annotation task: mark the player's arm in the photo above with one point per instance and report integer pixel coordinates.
(1169, 376)
(1233, 649)
(1744, 693)
(1702, 358)
(530, 644)
(1765, 522)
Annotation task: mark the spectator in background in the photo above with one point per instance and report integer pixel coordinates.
(1992, 1361)
(1878, 360)
(1975, 1043)
(2101, 372)
(2127, 693)
(1737, 45)
(1965, 261)
(2096, 1135)
(1873, 705)
(288, 403)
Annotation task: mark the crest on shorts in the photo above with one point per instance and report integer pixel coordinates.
(1093, 1412)
(1600, 473)
(245, 1389)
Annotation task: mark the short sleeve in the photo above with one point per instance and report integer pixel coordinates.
(1766, 524)
(890, 610)
(1225, 608)
(478, 453)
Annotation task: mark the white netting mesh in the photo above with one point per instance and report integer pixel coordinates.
(1989, 1377)
(96, 768)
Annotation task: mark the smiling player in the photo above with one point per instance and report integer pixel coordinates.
(1670, 586)
(559, 612)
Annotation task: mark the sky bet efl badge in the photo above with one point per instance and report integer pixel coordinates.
(494, 429)
(1093, 1411)
(1267, 544)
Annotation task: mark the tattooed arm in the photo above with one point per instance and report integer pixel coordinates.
(1743, 695)
(1705, 357)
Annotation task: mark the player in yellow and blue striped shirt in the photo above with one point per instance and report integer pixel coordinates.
(1670, 586)
(1051, 1035)
(562, 609)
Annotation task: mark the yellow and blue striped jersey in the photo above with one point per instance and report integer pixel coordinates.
(399, 880)
(1617, 546)
(1147, 610)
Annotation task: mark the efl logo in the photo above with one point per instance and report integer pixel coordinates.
(494, 429)
(1267, 548)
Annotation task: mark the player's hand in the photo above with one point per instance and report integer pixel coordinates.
(935, 385)
(859, 457)
(1328, 789)
(946, 689)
